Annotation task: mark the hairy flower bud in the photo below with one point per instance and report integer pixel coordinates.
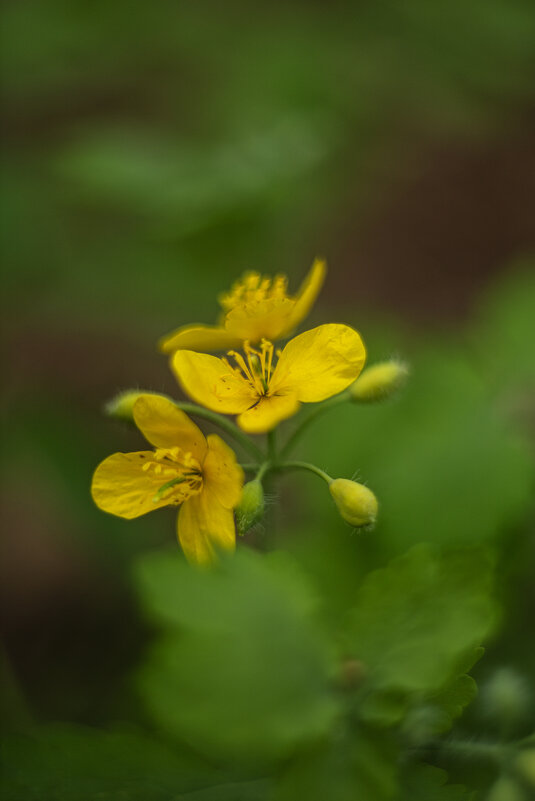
(379, 381)
(122, 405)
(356, 503)
(251, 506)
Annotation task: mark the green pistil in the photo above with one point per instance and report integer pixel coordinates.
(174, 481)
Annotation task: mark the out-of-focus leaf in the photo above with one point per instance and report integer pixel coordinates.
(354, 765)
(69, 763)
(242, 669)
(253, 790)
(427, 783)
(413, 623)
(454, 698)
(434, 715)
(193, 187)
(443, 460)
(504, 337)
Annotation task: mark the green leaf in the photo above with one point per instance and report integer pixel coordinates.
(63, 762)
(242, 669)
(443, 458)
(427, 783)
(353, 765)
(415, 621)
(454, 698)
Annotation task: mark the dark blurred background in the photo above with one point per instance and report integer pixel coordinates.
(153, 152)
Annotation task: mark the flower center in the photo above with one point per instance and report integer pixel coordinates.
(257, 366)
(179, 472)
(254, 289)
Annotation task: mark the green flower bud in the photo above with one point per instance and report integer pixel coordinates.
(379, 381)
(507, 697)
(251, 506)
(356, 503)
(122, 405)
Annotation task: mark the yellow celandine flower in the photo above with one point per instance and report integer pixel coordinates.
(188, 470)
(256, 308)
(312, 367)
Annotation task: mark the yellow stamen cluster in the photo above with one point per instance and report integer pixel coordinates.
(180, 471)
(256, 367)
(254, 288)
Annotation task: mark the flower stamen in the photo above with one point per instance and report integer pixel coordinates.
(254, 288)
(257, 366)
(182, 470)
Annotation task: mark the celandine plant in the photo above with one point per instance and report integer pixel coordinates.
(338, 668)
(262, 385)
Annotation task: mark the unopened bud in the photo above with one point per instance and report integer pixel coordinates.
(251, 506)
(122, 405)
(379, 381)
(507, 696)
(356, 503)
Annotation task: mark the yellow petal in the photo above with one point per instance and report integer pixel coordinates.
(221, 472)
(121, 487)
(319, 363)
(211, 382)
(199, 337)
(204, 527)
(164, 425)
(308, 292)
(265, 319)
(268, 412)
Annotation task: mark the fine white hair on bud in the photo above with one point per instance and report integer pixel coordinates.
(379, 381)
(356, 503)
(251, 506)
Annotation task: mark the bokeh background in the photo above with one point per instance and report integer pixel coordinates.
(152, 153)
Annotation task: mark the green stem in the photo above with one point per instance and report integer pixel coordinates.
(227, 425)
(264, 468)
(272, 445)
(304, 466)
(316, 412)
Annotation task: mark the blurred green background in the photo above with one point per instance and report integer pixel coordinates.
(152, 153)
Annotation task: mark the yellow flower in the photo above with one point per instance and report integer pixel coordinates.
(256, 308)
(188, 470)
(312, 367)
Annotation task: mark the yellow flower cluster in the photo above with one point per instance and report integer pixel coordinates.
(259, 383)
